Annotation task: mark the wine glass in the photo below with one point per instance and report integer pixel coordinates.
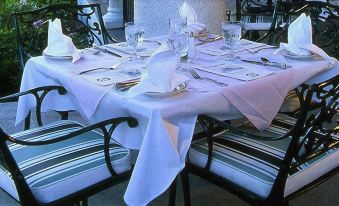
(178, 25)
(231, 32)
(134, 37)
(179, 43)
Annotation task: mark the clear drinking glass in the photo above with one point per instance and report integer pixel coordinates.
(179, 43)
(134, 37)
(178, 25)
(231, 32)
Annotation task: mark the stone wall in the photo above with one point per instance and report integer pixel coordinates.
(154, 14)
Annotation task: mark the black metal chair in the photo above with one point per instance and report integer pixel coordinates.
(278, 164)
(260, 18)
(325, 23)
(62, 163)
(83, 23)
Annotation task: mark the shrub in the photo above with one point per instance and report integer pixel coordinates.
(10, 72)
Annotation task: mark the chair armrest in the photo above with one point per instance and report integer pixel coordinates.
(113, 123)
(14, 97)
(38, 97)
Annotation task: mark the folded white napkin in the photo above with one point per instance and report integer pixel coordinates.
(300, 39)
(60, 44)
(161, 76)
(192, 20)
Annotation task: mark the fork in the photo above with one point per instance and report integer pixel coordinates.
(114, 66)
(195, 75)
(264, 47)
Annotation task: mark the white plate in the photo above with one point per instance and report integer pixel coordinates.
(147, 48)
(297, 57)
(178, 89)
(57, 57)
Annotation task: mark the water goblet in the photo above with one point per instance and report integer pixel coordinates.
(134, 37)
(179, 43)
(178, 25)
(231, 32)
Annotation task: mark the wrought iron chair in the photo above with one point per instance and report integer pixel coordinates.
(62, 163)
(83, 23)
(273, 166)
(325, 23)
(261, 17)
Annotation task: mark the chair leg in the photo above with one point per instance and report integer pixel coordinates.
(286, 203)
(64, 115)
(84, 202)
(186, 187)
(28, 121)
(173, 193)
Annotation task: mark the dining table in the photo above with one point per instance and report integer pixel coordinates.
(167, 122)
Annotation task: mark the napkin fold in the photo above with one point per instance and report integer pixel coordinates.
(161, 76)
(300, 39)
(192, 20)
(60, 44)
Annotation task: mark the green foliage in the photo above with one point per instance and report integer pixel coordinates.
(10, 72)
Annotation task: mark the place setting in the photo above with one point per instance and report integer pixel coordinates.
(60, 46)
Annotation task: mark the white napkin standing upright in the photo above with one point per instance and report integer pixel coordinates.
(161, 75)
(60, 44)
(300, 39)
(192, 19)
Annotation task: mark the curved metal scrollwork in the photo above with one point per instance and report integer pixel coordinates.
(325, 24)
(83, 23)
(320, 130)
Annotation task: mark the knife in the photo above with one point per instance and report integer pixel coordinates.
(272, 64)
(107, 51)
(209, 40)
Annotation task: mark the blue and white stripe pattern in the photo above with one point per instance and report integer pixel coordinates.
(56, 170)
(254, 164)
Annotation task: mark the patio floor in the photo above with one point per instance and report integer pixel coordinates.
(203, 193)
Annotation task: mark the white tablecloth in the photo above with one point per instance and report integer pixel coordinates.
(166, 124)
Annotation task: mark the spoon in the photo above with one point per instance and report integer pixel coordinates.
(281, 65)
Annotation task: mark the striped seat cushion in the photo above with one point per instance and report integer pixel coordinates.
(254, 164)
(256, 22)
(57, 170)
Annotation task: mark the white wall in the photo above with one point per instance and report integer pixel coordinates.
(154, 14)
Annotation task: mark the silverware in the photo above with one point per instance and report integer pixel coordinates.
(267, 63)
(195, 75)
(150, 40)
(260, 48)
(114, 66)
(209, 40)
(106, 51)
(122, 86)
(93, 50)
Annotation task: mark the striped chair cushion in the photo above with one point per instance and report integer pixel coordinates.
(256, 22)
(57, 170)
(253, 164)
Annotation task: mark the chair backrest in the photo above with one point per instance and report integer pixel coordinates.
(315, 132)
(325, 24)
(83, 23)
(258, 17)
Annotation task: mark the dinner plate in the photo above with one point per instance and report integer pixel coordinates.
(178, 89)
(57, 57)
(297, 57)
(147, 48)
